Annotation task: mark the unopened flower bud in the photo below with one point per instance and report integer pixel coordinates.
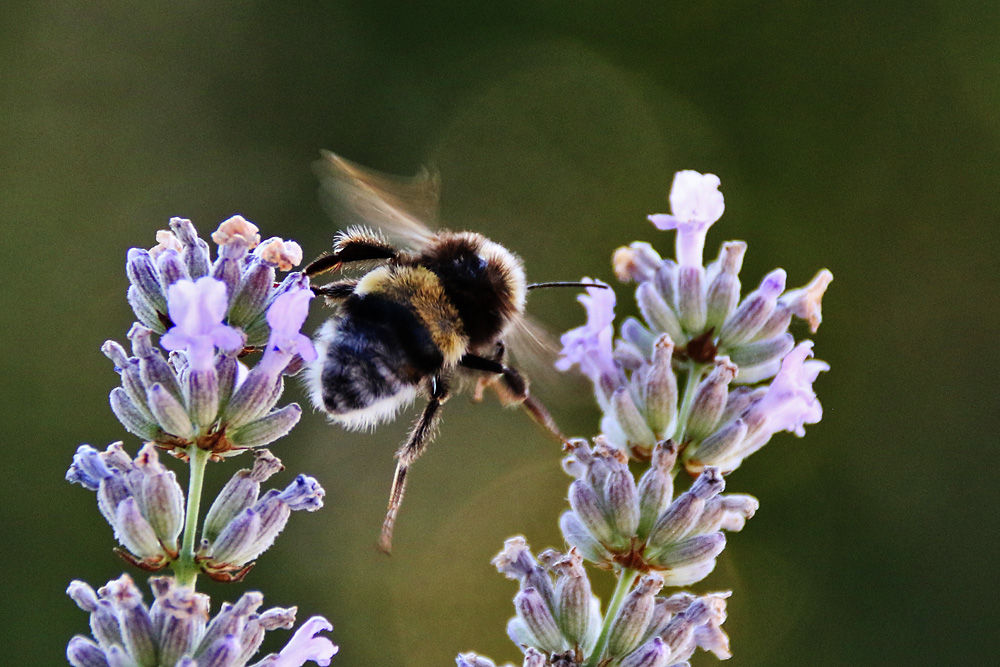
(171, 268)
(710, 400)
(718, 449)
(537, 618)
(252, 293)
(134, 420)
(195, 251)
(762, 352)
(691, 298)
(145, 277)
(657, 313)
(654, 653)
(267, 429)
(136, 625)
(577, 535)
(689, 553)
(631, 420)
(724, 290)
(143, 309)
(656, 486)
(634, 332)
(630, 623)
(635, 262)
(756, 308)
(82, 652)
(170, 414)
(587, 507)
(622, 502)
(134, 531)
(660, 392)
(203, 396)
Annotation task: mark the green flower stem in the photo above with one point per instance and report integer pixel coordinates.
(694, 373)
(185, 567)
(625, 580)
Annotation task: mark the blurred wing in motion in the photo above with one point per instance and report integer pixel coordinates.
(397, 206)
(534, 350)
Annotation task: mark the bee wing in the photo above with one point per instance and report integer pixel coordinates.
(395, 205)
(533, 349)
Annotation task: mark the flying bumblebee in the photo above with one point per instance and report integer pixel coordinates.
(439, 310)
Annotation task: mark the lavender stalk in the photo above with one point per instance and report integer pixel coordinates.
(201, 404)
(701, 383)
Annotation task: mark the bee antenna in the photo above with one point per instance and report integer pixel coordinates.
(565, 284)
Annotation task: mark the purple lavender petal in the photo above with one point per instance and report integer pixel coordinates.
(695, 204)
(305, 645)
(197, 310)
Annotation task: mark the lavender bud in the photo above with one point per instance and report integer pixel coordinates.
(724, 290)
(805, 302)
(657, 313)
(638, 335)
(195, 252)
(665, 281)
(577, 536)
(776, 324)
(538, 619)
(134, 531)
(163, 504)
(224, 652)
(252, 293)
(143, 310)
(573, 599)
(636, 262)
(534, 658)
(691, 298)
(632, 619)
(654, 653)
(473, 660)
(622, 504)
(710, 400)
(131, 417)
(631, 420)
(519, 633)
(143, 275)
(171, 268)
(236, 539)
(739, 400)
(660, 391)
(136, 625)
(754, 311)
(688, 553)
(267, 429)
(82, 652)
(103, 620)
(728, 512)
(587, 507)
(203, 396)
(171, 415)
(718, 449)
(253, 398)
(656, 487)
(184, 614)
(761, 352)
(153, 368)
(239, 493)
(226, 369)
(228, 268)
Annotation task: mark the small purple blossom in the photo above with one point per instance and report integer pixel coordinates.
(285, 317)
(305, 645)
(589, 346)
(695, 204)
(790, 401)
(197, 309)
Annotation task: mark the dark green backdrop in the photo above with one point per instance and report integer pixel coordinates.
(863, 137)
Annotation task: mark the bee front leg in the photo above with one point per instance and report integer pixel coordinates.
(411, 450)
(512, 389)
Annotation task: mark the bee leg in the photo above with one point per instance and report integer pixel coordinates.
(407, 454)
(512, 389)
(337, 291)
(355, 245)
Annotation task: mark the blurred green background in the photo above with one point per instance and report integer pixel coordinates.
(862, 137)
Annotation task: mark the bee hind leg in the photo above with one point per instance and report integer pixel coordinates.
(512, 389)
(409, 452)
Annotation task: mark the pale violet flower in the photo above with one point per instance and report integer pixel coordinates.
(285, 317)
(695, 204)
(589, 346)
(305, 646)
(197, 309)
(790, 401)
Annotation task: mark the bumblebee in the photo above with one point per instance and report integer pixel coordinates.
(436, 311)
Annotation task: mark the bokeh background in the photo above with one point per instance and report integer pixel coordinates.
(863, 137)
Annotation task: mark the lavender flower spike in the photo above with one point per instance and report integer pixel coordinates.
(197, 309)
(695, 204)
